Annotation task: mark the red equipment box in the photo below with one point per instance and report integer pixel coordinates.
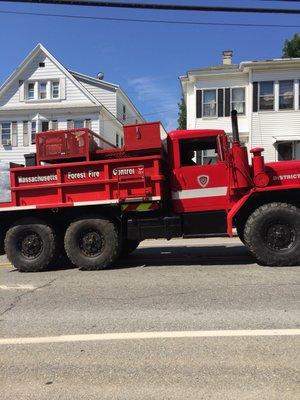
(72, 144)
(147, 136)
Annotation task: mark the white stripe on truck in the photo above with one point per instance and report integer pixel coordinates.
(17, 208)
(196, 193)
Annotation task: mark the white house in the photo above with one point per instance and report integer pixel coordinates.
(41, 94)
(266, 95)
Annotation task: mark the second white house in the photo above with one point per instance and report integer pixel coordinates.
(266, 95)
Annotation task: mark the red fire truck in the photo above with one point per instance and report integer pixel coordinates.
(80, 197)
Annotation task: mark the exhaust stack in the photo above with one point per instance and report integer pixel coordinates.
(235, 127)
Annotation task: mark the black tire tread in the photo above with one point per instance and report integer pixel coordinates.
(269, 259)
(71, 250)
(37, 266)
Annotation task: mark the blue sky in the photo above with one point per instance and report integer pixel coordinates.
(145, 59)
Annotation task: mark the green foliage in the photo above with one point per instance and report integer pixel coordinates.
(181, 114)
(291, 47)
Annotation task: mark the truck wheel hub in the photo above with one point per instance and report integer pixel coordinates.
(31, 245)
(280, 236)
(91, 243)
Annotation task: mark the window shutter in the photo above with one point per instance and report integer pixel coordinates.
(227, 102)
(88, 123)
(198, 103)
(21, 91)
(220, 103)
(25, 134)
(255, 96)
(62, 84)
(70, 124)
(14, 134)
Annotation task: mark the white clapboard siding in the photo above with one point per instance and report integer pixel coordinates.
(275, 75)
(223, 123)
(267, 125)
(104, 94)
(132, 116)
(110, 127)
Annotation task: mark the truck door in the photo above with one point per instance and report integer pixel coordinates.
(200, 180)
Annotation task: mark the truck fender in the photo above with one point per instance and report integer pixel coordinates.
(234, 210)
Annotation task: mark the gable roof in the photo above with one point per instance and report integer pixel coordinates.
(41, 49)
(93, 80)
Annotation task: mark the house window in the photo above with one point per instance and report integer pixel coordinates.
(288, 150)
(6, 133)
(286, 95)
(266, 95)
(122, 141)
(79, 124)
(45, 126)
(42, 65)
(117, 140)
(124, 113)
(30, 91)
(55, 90)
(238, 100)
(42, 90)
(33, 132)
(209, 103)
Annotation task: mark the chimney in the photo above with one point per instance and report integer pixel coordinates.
(227, 57)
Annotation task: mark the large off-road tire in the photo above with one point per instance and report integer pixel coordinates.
(31, 245)
(92, 243)
(272, 233)
(128, 246)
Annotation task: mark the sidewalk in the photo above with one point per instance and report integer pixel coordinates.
(212, 241)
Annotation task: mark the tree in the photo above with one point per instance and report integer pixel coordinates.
(181, 114)
(291, 47)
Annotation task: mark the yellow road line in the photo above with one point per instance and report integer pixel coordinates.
(5, 265)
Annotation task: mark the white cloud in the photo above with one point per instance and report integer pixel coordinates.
(159, 102)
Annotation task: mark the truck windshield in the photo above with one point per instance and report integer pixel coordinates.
(198, 151)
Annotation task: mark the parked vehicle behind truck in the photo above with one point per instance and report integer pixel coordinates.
(93, 202)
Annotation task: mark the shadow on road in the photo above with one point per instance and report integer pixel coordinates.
(175, 256)
(164, 256)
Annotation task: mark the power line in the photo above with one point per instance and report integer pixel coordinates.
(148, 21)
(282, 1)
(161, 6)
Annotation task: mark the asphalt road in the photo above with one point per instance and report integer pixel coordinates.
(175, 286)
